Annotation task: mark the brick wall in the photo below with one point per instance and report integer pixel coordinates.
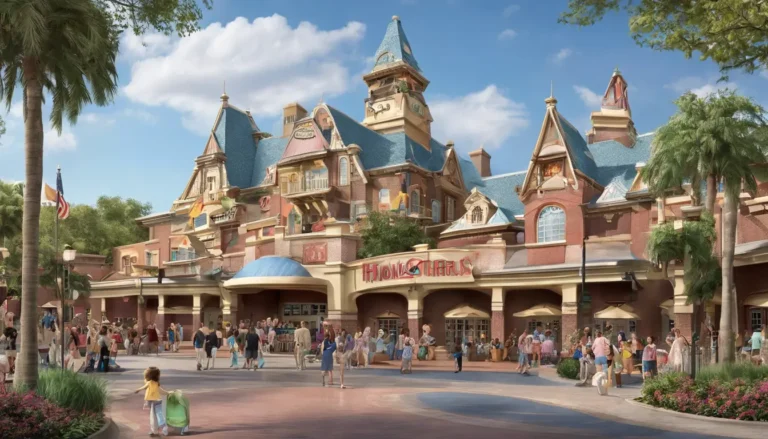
(371, 305)
(438, 303)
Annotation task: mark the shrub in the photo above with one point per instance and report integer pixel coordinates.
(568, 368)
(26, 415)
(83, 393)
(748, 372)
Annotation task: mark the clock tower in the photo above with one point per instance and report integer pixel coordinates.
(396, 85)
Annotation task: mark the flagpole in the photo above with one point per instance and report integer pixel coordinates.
(56, 265)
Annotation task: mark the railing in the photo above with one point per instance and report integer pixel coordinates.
(225, 216)
(307, 185)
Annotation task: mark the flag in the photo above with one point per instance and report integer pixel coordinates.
(57, 197)
(196, 210)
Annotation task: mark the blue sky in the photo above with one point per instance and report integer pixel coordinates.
(490, 65)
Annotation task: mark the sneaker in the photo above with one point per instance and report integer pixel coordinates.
(165, 430)
(342, 386)
(152, 434)
(199, 367)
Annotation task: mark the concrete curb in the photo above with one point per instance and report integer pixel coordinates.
(696, 417)
(108, 431)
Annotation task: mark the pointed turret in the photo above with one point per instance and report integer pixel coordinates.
(614, 120)
(396, 84)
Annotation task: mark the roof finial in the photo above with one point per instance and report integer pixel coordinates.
(616, 71)
(551, 101)
(395, 18)
(322, 99)
(224, 96)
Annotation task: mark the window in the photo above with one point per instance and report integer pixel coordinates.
(477, 215)
(632, 326)
(450, 208)
(551, 224)
(288, 119)
(127, 264)
(182, 255)
(390, 326)
(174, 254)
(756, 318)
(415, 201)
(201, 220)
(359, 210)
(191, 254)
(148, 257)
(436, 211)
(461, 330)
(384, 200)
(211, 183)
(343, 171)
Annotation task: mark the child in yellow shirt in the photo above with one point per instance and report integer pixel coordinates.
(153, 396)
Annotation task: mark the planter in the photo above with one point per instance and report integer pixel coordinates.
(108, 431)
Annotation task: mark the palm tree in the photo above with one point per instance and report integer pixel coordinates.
(67, 49)
(11, 204)
(714, 138)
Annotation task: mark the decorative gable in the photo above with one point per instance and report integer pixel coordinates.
(479, 208)
(452, 170)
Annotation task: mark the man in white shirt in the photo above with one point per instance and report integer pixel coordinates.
(303, 343)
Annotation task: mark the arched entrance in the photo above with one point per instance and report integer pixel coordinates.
(457, 313)
(387, 311)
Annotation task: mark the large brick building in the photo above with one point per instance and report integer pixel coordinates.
(278, 232)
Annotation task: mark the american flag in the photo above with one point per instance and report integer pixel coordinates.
(62, 207)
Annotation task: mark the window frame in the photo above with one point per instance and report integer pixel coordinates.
(547, 232)
(414, 202)
(476, 215)
(436, 211)
(450, 208)
(344, 172)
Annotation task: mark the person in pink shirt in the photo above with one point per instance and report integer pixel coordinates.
(601, 348)
(649, 358)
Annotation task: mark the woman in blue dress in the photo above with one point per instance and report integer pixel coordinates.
(329, 347)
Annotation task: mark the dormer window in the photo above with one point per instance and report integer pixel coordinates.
(551, 224)
(477, 215)
(343, 171)
(553, 168)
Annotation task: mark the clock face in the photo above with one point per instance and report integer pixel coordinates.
(553, 168)
(417, 109)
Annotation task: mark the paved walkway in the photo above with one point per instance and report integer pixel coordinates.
(279, 401)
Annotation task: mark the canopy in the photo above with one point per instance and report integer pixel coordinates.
(466, 311)
(541, 310)
(760, 300)
(52, 304)
(622, 312)
(388, 315)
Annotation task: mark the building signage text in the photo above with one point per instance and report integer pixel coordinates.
(414, 268)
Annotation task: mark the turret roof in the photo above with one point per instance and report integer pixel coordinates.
(395, 46)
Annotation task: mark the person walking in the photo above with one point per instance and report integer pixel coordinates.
(339, 357)
(199, 343)
(326, 365)
(601, 349)
(212, 345)
(153, 397)
(172, 338)
(302, 344)
(104, 343)
(232, 348)
(251, 349)
(180, 338)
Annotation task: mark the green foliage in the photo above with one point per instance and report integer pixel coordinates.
(666, 244)
(666, 383)
(568, 368)
(387, 233)
(83, 426)
(165, 16)
(11, 206)
(83, 393)
(732, 33)
(748, 372)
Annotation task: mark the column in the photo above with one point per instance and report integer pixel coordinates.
(415, 317)
(343, 320)
(569, 321)
(195, 314)
(497, 314)
(229, 309)
(160, 319)
(683, 311)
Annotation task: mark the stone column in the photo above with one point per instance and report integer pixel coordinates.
(569, 321)
(160, 319)
(415, 317)
(683, 311)
(229, 307)
(196, 317)
(497, 314)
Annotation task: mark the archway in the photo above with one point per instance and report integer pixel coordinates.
(458, 314)
(387, 311)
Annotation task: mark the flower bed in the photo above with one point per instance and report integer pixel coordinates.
(737, 398)
(27, 415)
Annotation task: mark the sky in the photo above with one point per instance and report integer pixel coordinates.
(490, 64)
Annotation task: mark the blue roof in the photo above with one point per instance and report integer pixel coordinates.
(272, 266)
(580, 154)
(617, 163)
(472, 178)
(234, 134)
(501, 189)
(268, 152)
(396, 45)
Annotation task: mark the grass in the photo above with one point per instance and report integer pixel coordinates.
(83, 393)
(731, 371)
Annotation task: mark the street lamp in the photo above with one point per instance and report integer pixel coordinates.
(68, 256)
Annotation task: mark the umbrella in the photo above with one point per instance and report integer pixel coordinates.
(621, 312)
(541, 310)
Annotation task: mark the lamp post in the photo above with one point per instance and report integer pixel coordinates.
(68, 256)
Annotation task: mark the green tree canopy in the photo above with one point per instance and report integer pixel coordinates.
(11, 204)
(732, 33)
(387, 233)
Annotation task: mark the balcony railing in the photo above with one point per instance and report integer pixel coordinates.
(307, 185)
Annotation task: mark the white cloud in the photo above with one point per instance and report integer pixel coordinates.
(486, 117)
(142, 115)
(561, 55)
(17, 109)
(699, 86)
(54, 142)
(145, 46)
(509, 10)
(266, 63)
(590, 98)
(95, 118)
(507, 34)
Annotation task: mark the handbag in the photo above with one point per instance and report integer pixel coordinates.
(422, 353)
(260, 363)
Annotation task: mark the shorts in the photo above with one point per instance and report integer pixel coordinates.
(649, 366)
(601, 361)
(251, 354)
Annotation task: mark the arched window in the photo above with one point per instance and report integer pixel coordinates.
(477, 215)
(436, 211)
(415, 201)
(343, 171)
(551, 224)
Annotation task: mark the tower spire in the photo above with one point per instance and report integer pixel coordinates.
(224, 96)
(551, 101)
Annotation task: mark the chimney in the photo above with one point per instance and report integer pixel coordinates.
(482, 161)
(292, 113)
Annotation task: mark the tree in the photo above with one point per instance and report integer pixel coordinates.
(66, 48)
(11, 204)
(732, 33)
(720, 135)
(387, 233)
